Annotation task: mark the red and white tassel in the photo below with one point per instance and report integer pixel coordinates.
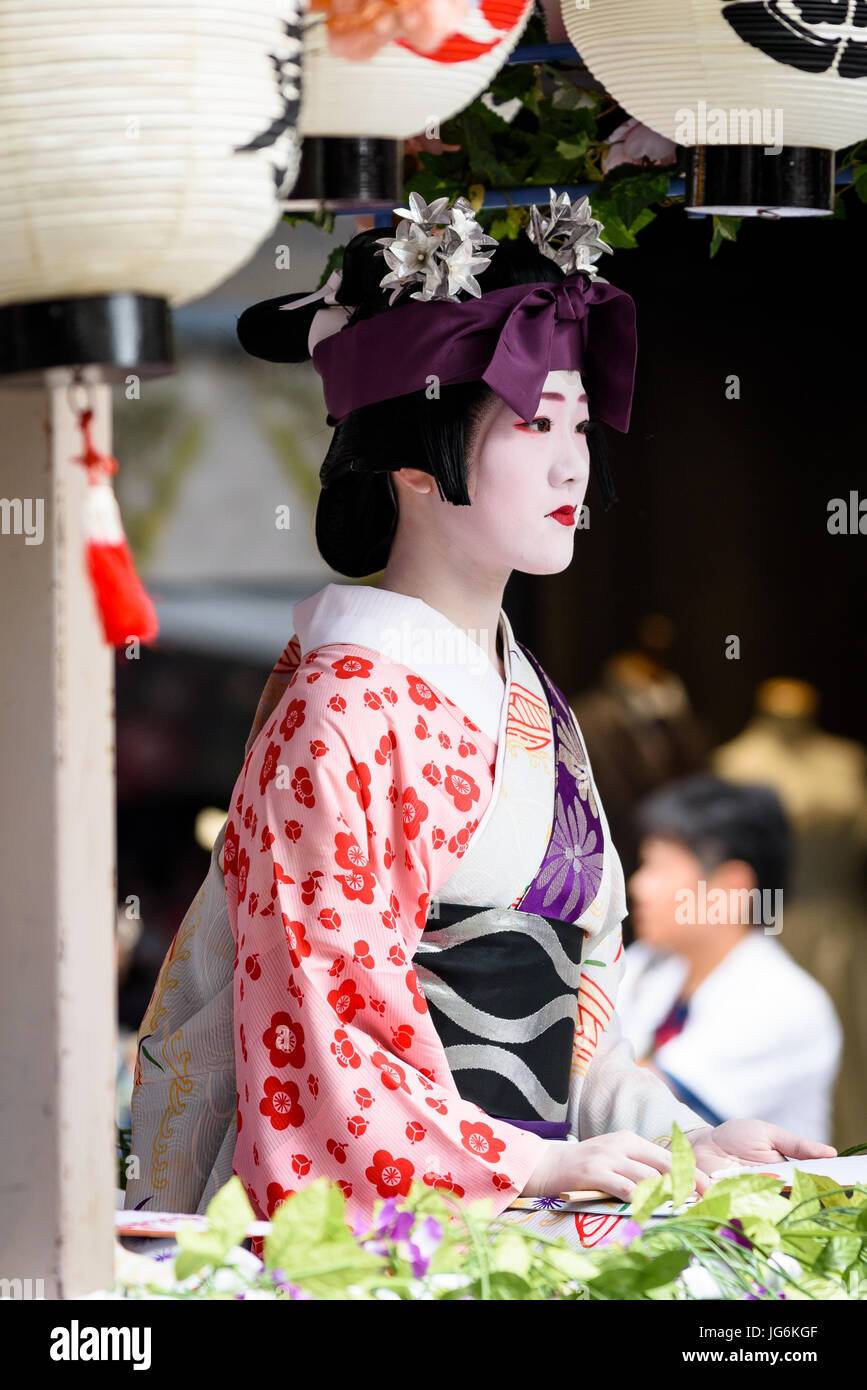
(125, 610)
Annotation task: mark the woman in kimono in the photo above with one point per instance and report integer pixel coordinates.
(405, 961)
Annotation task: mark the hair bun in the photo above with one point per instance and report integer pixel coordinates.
(265, 331)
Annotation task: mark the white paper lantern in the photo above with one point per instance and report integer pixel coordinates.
(122, 127)
(400, 92)
(748, 73)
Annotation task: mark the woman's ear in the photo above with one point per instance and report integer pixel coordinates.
(413, 478)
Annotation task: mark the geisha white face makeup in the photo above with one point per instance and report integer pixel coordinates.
(527, 480)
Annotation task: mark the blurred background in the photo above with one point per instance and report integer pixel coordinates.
(714, 574)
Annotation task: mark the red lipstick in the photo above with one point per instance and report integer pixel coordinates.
(565, 516)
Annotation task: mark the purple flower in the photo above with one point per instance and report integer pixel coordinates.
(736, 1235)
(426, 1239)
(624, 1233)
(394, 1224)
(279, 1279)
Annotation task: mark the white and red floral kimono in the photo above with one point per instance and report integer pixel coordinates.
(411, 971)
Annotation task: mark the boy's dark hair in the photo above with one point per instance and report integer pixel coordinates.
(718, 821)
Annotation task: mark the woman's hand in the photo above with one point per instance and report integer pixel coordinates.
(611, 1162)
(751, 1142)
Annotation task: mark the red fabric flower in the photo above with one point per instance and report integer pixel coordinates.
(438, 838)
(421, 729)
(419, 1002)
(230, 850)
(387, 745)
(390, 1176)
(372, 700)
(390, 694)
(445, 741)
(337, 1151)
(363, 1098)
(378, 1005)
(388, 854)
(330, 919)
(415, 1132)
(317, 748)
(480, 1139)
(268, 770)
(344, 1050)
(293, 718)
(345, 1188)
(437, 1103)
(362, 955)
(296, 938)
(338, 965)
(392, 1075)
(414, 813)
(338, 704)
(502, 1181)
(346, 1000)
(358, 781)
(285, 1039)
(444, 1181)
(356, 1124)
(268, 837)
(252, 966)
(396, 956)
(276, 1195)
(310, 886)
(313, 1085)
(461, 787)
(349, 666)
(431, 773)
(280, 1103)
(420, 693)
(302, 786)
(402, 1036)
(301, 1164)
(243, 871)
(467, 749)
(358, 883)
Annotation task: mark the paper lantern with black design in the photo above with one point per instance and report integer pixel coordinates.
(732, 79)
(145, 142)
(352, 113)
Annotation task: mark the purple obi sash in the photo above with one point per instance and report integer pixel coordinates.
(546, 1129)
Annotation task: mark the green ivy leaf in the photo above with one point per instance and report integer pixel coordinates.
(649, 1194)
(573, 149)
(724, 229)
(315, 1215)
(334, 262)
(229, 1214)
(682, 1166)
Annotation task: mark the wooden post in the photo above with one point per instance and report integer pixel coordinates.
(57, 859)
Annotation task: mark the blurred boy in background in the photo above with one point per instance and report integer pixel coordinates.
(711, 1000)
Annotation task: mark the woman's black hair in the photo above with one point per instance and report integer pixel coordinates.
(431, 429)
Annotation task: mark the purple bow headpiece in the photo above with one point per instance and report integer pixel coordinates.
(511, 339)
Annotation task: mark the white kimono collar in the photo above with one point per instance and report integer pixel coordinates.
(408, 631)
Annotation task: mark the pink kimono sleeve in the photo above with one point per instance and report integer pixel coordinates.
(353, 807)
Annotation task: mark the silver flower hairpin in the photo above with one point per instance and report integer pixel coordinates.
(442, 262)
(569, 235)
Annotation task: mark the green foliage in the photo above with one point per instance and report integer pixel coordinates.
(750, 1239)
(123, 1146)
